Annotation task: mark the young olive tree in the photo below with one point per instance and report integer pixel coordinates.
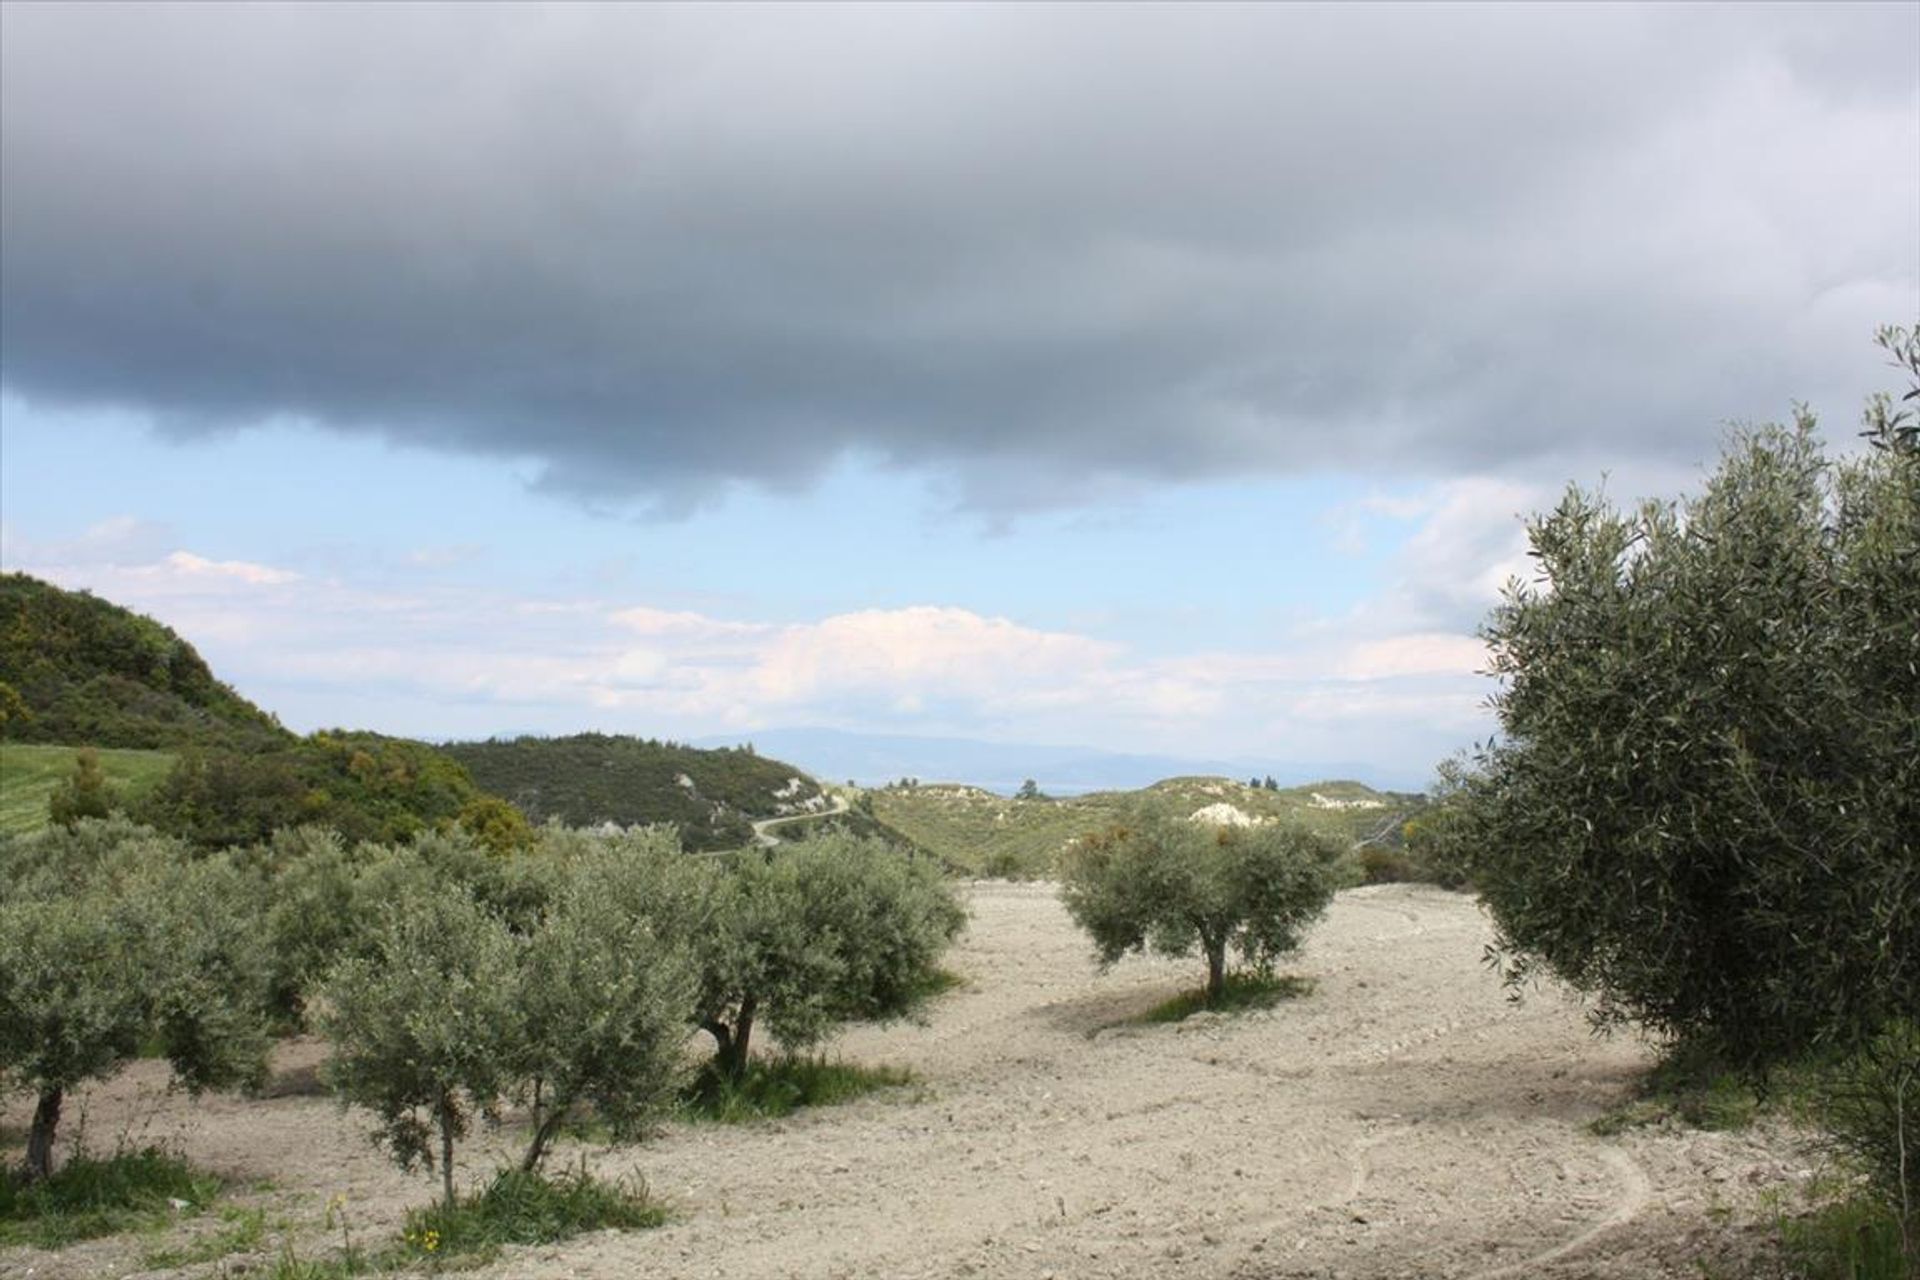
(1172, 885)
(424, 1025)
(603, 990)
(110, 937)
(808, 936)
(1703, 807)
(564, 983)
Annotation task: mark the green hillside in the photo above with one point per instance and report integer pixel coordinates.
(29, 774)
(76, 669)
(992, 835)
(364, 785)
(590, 778)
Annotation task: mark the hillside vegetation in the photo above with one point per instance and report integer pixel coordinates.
(713, 796)
(363, 785)
(989, 834)
(29, 773)
(76, 669)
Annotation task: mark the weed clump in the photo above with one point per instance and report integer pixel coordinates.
(93, 1196)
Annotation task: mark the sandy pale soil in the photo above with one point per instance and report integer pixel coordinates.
(1403, 1120)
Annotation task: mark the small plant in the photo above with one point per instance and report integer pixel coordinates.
(92, 1196)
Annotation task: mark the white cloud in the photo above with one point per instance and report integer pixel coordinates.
(259, 575)
(465, 660)
(1423, 654)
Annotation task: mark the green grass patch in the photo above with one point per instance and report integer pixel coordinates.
(90, 1196)
(289, 1265)
(1852, 1239)
(1692, 1088)
(526, 1208)
(1240, 993)
(774, 1087)
(242, 1232)
(515, 1208)
(29, 774)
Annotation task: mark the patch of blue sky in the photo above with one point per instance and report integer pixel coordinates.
(1215, 564)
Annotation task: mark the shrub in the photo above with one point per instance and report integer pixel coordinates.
(1164, 883)
(84, 795)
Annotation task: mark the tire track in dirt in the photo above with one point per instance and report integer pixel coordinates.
(1635, 1191)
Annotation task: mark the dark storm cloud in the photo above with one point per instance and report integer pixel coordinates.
(1047, 251)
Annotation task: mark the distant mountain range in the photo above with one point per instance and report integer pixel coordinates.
(836, 755)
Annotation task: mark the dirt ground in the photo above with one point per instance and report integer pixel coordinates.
(1402, 1120)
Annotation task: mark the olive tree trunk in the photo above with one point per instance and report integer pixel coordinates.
(732, 1040)
(46, 1120)
(1216, 970)
(446, 1116)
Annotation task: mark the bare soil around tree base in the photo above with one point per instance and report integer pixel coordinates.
(1405, 1119)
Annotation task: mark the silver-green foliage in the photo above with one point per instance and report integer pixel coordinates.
(604, 988)
(1704, 803)
(422, 1027)
(811, 935)
(461, 997)
(1164, 883)
(112, 937)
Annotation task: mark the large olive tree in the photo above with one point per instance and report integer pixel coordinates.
(1169, 884)
(1703, 805)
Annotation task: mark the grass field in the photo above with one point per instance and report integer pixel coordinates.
(29, 773)
(989, 834)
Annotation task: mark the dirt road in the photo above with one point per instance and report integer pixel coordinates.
(1403, 1120)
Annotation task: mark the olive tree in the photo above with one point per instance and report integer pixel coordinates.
(603, 990)
(1703, 805)
(112, 937)
(1173, 885)
(423, 1026)
(566, 984)
(803, 938)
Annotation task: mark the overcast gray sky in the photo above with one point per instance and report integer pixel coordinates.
(1050, 249)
